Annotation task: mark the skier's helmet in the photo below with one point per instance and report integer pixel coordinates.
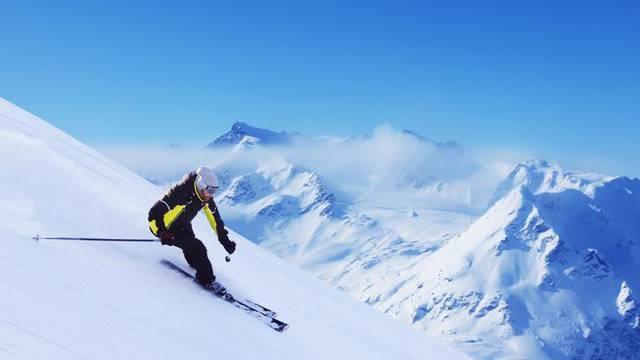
(206, 180)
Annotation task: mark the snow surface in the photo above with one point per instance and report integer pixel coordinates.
(79, 300)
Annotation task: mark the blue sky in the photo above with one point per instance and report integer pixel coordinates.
(557, 79)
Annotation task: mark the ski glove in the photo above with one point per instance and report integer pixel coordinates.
(167, 238)
(228, 245)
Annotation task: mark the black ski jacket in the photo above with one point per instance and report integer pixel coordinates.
(180, 205)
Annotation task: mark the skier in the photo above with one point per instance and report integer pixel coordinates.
(170, 220)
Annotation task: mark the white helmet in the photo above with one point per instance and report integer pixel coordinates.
(206, 180)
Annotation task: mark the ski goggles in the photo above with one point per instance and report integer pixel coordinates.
(211, 189)
(208, 188)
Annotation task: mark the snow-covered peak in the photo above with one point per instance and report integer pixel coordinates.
(276, 183)
(539, 176)
(247, 136)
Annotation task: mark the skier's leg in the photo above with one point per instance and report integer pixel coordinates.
(204, 270)
(196, 255)
(189, 260)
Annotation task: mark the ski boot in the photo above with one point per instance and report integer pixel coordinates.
(216, 288)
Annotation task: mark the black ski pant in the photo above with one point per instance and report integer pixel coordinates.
(195, 253)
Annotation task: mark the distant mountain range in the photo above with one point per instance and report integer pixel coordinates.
(242, 133)
(550, 270)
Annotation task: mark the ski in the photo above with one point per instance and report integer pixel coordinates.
(262, 309)
(257, 311)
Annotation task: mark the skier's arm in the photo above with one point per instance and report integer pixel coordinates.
(213, 215)
(165, 211)
(156, 217)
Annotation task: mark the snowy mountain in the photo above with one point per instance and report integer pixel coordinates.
(71, 300)
(549, 271)
(295, 213)
(514, 281)
(246, 135)
(538, 177)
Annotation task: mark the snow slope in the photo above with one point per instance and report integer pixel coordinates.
(64, 300)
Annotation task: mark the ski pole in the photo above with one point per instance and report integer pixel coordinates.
(38, 238)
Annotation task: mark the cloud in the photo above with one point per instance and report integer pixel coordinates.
(386, 160)
(389, 156)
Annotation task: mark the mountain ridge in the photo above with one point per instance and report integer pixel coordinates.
(246, 135)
